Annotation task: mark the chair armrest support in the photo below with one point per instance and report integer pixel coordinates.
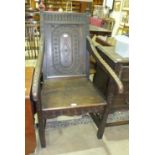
(104, 64)
(37, 76)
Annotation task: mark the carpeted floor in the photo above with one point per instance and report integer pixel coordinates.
(65, 121)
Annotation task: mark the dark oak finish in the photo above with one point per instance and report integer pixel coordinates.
(102, 80)
(63, 60)
(58, 93)
(94, 30)
(30, 139)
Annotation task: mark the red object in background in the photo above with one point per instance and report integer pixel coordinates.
(95, 21)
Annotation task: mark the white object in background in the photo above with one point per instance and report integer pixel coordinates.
(60, 10)
(106, 12)
(109, 4)
(122, 45)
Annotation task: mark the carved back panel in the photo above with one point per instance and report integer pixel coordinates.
(64, 36)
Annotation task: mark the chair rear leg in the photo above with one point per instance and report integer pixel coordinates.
(41, 128)
(102, 125)
(41, 124)
(103, 122)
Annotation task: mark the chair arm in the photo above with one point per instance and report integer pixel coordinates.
(104, 64)
(37, 76)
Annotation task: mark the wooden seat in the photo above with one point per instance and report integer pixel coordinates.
(61, 84)
(69, 93)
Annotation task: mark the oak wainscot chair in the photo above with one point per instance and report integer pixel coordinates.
(61, 84)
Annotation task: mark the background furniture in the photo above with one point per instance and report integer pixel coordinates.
(30, 138)
(108, 23)
(32, 34)
(32, 37)
(94, 30)
(124, 18)
(63, 64)
(32, 22)
(54, 5)
(102, 81)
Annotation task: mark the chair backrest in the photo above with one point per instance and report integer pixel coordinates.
(64, 38)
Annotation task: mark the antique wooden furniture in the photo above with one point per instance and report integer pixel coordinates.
(77, 5)
(32, 34)
(94, 30)
(30, 139)
(32, 37)
(61, 83)
(102, 81)
(108, 23)
(62, 3)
